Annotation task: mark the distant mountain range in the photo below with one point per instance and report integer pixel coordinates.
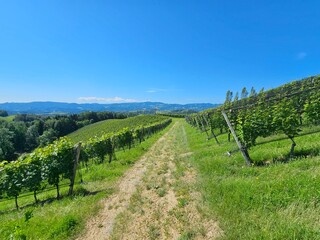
(67, 108)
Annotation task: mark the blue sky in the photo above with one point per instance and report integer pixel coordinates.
(153, 50)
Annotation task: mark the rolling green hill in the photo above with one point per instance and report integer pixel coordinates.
(112, 125)
(8, 118)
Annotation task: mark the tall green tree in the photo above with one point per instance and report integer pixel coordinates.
(244, 93)
(48, 137)
(6, 144)
(19, 130)
(32, 137)
(236, 97)
(261, 90)
(3, 113)
(253, 92)
(229, 96)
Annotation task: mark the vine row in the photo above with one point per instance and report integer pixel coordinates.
(55, 162)
(281, 110)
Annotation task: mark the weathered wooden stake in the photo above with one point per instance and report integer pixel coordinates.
(76, 160)
(243, 149)
(198, 125)
(212, 132)
(292, 147)
(203, 128)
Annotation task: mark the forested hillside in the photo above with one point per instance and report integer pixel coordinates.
(24, 132)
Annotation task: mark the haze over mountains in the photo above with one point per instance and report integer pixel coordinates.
(67, 108)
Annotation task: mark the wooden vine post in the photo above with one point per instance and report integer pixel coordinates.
(197, 122)
(242, 148)
(76, 160)
(212, 132)
(203, 127)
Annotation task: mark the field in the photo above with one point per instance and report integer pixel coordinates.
(8, 118)
(277, 201)
(112, 125)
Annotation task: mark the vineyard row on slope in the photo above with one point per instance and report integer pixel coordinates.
(258, 116)
(55, 162)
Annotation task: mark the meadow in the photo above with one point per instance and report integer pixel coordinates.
(277, 200)
(8, 118)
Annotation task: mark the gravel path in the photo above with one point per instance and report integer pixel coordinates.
(156, 198)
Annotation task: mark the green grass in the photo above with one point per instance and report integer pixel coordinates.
(8, 118)
(112, 125)
(65, 218)
(280, 200)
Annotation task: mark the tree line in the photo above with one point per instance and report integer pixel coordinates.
(28, 131)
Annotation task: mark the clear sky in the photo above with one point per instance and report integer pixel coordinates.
(174, 51)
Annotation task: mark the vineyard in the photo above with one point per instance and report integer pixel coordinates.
(113, 125)
(8, 118)
(75, 183)
(276, 200)
(277, 196)
(54, 163)
(284, 110)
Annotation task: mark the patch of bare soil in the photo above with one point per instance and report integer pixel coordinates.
(157, 198)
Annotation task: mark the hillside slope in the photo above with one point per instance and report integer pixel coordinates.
(112, 125)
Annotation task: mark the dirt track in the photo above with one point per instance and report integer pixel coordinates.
(156, 199)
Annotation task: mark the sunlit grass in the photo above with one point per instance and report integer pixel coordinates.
(279, 200)
(8, 118)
